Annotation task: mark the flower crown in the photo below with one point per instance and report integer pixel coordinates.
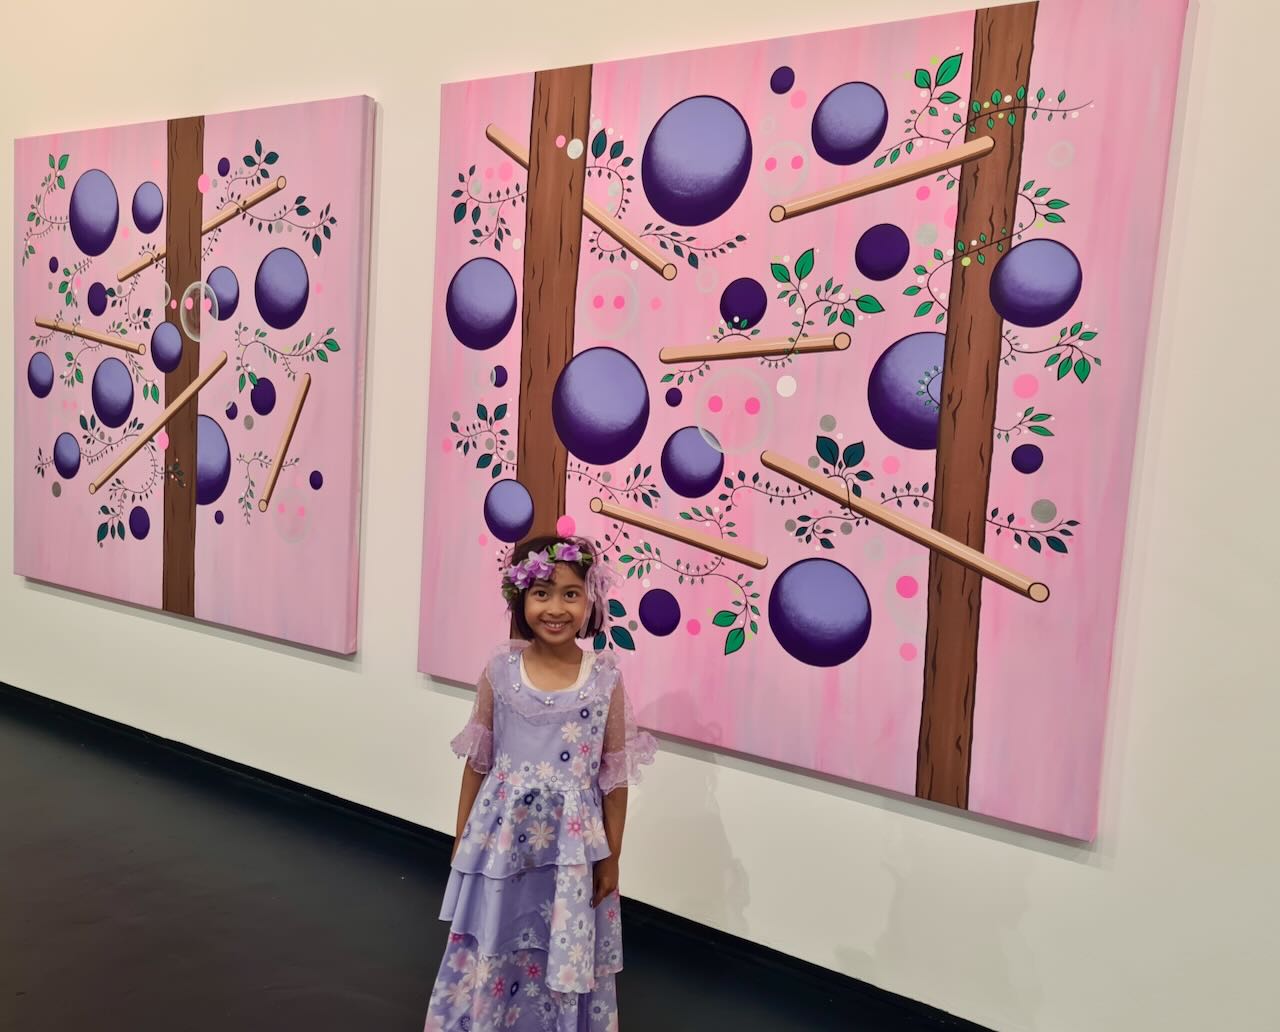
(536, 566)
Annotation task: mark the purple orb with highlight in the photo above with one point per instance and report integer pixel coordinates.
(96, 297)
(696, 161)
(480, 303)
(139, 522)
(40, 374)
(94, 212)
(498, 377)
(281, 288)
(849, 123)
(226, 291)
(316, 480)
(166, 347)
(224, 166)
(782, 79)
(743, 303)
(600, 406)
(1036, 283)
(905, 389)
(674, 397)
(148, 207)
(882, 251)
(53, 264)
(112, 392)
(659, 612)
(233, 410)
(263, 396)
(1027, 458)
(218, 517)
(508, 510)
(66, 456)
(213, 460)
(692, 462)
(819, 612)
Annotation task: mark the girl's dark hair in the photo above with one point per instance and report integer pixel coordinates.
(541, 544)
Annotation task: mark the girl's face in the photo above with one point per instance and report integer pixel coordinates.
(556, 610)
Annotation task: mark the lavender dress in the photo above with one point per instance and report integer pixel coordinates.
(526, 949)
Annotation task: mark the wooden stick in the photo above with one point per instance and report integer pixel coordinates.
(904, 172)
(926, 536)
(277, 463)
(229, 212)
(94, 335)
(187, 394)
(753, 349)
(681, 532)
(613, 227)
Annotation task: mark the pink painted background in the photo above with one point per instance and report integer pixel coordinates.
(1043, 670)
(291, 572)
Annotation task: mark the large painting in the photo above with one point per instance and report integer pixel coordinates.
(189, 332)
(834, 343)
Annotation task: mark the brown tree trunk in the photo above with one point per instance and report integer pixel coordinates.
(987, 206)
(552, 242)
(182, 268)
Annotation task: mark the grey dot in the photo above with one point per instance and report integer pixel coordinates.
(634, 626)
(875, 550)
(456, 416)
(828, 423)
(248, 422)
(1044, 511)
(606, 477)
(846, 528)
(279, 227)
(489, 445)
(57, 490)
(814, 462)
(791, 526)
(511, 456)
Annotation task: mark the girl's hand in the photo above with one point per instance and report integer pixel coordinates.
(605, 879)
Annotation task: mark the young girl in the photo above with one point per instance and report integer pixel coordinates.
(535, 935)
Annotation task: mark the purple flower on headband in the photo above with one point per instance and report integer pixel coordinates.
(538, 567)
(569, 552)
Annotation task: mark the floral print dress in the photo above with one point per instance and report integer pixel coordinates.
(526, 949)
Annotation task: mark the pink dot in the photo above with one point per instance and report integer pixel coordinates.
(715, 403)
(922, 194)
(949, 216)
(798, 98)
(188, 303)
(174, 304)
(797, 162)
(504, 170)
(656, 303)
(208, 304)
(1025, 386)
(770, 164)
(891, 465)
(560, 140)
(488, 172)
(483, 539)
(162, 440)
(752, 406)
(79, 283)
(125, 232)
(908, 587)
(302, 511)
(202, 184)
(907, 652)
(446, 446)
(597, 301)
(619, 301)
(280, 508)
(693, 627)
(566, 525)
(319, 288)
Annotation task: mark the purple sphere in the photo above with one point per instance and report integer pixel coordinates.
(480, 303)
(905, 389)
(1027, 458)
(743, 303)
(692, 462)
(881, 251)
(40, 374)
(226, 291)
(233, 410)
(148, 207)
(819, 612)
(499, 376)
(213, 460)
(696, 161)
(112, 392)
(166, 347)
(659, 612)
(600, 406)
(508, 510)
(139, 522)
(782, 79)
(66, 456)
(674, 397)
(94, 212)
(1036, 283)
(317, 480)
(97, 298)
(53, 264)
(281, 288)
(263, 396)
(224, 166)
(849, 123)
(217, 517)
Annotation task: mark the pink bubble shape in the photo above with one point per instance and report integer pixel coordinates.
(656, 303)
(483, 540)
(319, 288)
(560, 140)
(202, 184)
(174, 303)
(208, 304)
(597, 301)
(770, 164)
(124, 233)
(922, 194)
(504, 170)
(907, 652)
(949, 216)
(302, 511)
(566, 526)
(715, 403)
(446, 446)
(79, 283)
(1026, 386)
(162, 440)
(908, 587)
(891, 465)
(797, 162)
(619, 301)
(488, 172)
(693, 627)
(280, 508)
(188, 303)
(798, 98)
(752, 406)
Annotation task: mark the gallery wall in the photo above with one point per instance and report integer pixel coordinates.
(1166, 921)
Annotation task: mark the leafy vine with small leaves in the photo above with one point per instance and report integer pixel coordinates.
(314, 347)
(39, 221)
(1053, 535)
(262, 460)
(486, 437)
(494, 200)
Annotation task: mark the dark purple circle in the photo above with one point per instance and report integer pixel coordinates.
(1027, 458)
(224, 166)
(94, 212)
(213, 460)
(659, 612)
(849, 123)
(499, 376)
(743, 303)
(96, 296)
(226, 291)
(782, 79)
(480, 303)
(317, 480)
(262, 396)
(819, 612)
(508, 510)
(53, 264)
(112, 392)
(217, 517)
(148, 207)
(166, 347)
(674, 396)
(696, 161)
(281, 288)
(692, 462)
(40, 374)
(903, 407)
(66, 456)
(233, 410)
(600, 406)
(882, 251)
(139, 522)
(1036, 283)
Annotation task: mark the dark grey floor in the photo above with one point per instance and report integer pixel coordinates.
(142, 889)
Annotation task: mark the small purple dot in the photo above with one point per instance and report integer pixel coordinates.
(224, 166)
(782, 80)
(218, 517)
(53, 264)
(317, 480)
(232, 410)
(674, 397)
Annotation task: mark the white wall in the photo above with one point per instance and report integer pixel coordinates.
(1169, 922)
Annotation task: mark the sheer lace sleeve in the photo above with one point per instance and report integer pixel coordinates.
(626, 747)
(474, 743)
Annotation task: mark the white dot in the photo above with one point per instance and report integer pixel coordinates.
(919, 279)
(973, 243)
(609, 131)
(950, 251)
(786, 386)
(516, 244)
(635, 265)
(786, 257)
(644, 583)
(861, 317)
(575, 149)
(1007, 98)
(1075, 114)
(595, 124)
(839, 437)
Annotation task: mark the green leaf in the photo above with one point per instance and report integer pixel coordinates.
(1088, 335)
(864, 476)
(1057, 544)
(893, 156)
(804, 265)
(948, 69)
(271, 158)
(922, 79)
(242, 381)
(724, 618)
(500, 412)
(598, 143)
(854, 454)
(1082, 369)
(459, 212)
(1053, 216)
(484, 460)
(1076, 328)
(249, 161)
(302, 209)
(846, 317)
(780, 272)
(253, 379)
(315, 244)
(62, 287)
(615, 151)
(995, 96)
(102, 532)
(1064, 367)
(668, 378)
(51, 162)
(937, 254)
(616, 609)
(1041, 431)
(868, 304)
(322, 356)
(1057, 203)
(1042, 191)
(332, 345)
(920, 270)
(482, 413)
(948, 98)
(475, 215)
(79, 375)
(913, 290)
(879, 161)
(924, 308)
(828, 450)
(1062, 96)
(1034, 543)
(622, 638)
